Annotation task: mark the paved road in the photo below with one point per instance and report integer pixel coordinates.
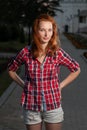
(73, 98)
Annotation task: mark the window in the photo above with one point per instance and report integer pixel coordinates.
(82, 19)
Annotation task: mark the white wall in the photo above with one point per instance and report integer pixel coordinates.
(69, 16)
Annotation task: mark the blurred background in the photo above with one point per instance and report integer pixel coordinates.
(16, 19)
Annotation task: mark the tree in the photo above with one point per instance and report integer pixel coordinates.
(34, 8)
(25, 11)
(11, 11)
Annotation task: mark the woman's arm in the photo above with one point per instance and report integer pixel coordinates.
(16, 78)
(69, 79)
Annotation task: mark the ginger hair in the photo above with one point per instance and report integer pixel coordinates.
(54, 42)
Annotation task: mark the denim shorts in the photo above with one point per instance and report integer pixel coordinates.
(52, 116)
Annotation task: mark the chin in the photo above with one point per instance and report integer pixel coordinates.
(45, 42)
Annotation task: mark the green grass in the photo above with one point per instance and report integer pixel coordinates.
(3, 60)
(11, 46)
(5, 81)
(3, 64)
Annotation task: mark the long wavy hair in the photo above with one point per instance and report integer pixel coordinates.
(54, 42)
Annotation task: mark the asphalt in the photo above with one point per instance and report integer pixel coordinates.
(74, 97)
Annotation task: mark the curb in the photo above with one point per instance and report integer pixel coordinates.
(7, 93)
(10, 89)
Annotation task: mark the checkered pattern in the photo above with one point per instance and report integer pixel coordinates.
(42, 77)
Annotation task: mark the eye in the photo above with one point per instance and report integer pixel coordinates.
(41, 29)
(50, 30)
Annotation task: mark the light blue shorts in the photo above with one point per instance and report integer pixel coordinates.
(52, 116)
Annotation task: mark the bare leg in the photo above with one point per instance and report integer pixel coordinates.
(34, 127)
(53, 126)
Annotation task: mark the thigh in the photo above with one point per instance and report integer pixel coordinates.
(34, 126)
(53, 126)
(54, 116)
(31, 117)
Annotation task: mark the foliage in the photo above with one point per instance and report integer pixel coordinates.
(10, 32)
(4, 33)
(22, 36)
(34, 8)
(5, 79)
(23, 12)
(11, 46)
(11, 11)
(3, 66)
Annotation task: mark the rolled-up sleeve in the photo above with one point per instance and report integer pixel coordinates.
(16, 61)
(66, 60)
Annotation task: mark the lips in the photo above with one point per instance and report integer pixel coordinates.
(46, 38)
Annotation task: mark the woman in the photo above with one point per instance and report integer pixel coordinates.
(41, 97)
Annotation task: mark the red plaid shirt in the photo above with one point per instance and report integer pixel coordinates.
(42, 78)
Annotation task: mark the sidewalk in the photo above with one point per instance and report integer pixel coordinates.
(73, 98)
(75, 95)
(10, 109)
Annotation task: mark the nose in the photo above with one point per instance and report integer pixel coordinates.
(46, 33)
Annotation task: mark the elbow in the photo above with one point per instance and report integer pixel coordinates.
(78, 71)
(11, 73)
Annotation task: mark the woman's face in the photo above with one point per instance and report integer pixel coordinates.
(45, 31)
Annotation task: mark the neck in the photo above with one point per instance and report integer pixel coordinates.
(44, 46)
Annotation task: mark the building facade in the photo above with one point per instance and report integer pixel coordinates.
(74, 16)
